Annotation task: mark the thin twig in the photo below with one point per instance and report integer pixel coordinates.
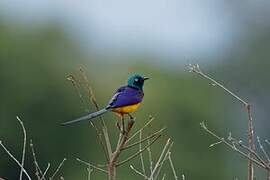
(141, 155)
(263, 150)
(164, 176)
(183, 177)
(145, 139)
(233, 147)
(196, 69)
(136, 154)
(160, 158)
(172, 166)
(165, 157)
(150, 157)
(76, 85)
(251, 151)
(91, 165)
(38, 172)
(94, 101)
(24, 146)
(89, 170)
(45, 172)
(14, 159)
(58, 168)
(138, 172)
(267, 142)
(137, 132)
(240, 144)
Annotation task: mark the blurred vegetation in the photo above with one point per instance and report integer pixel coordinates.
(34, 64)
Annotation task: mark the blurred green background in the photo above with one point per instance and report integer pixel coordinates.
(41, 43)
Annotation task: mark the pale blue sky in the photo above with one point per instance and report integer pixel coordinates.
(192, 29)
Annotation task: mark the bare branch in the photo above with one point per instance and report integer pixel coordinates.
(183, 177)
(165, 157)
(45, 172)
(91, 165)
(137, 132)
(38, 172)
(196, 69)
(138, 172)
(24, 146)
(172, 166)
(160, 158)
(138, 153)
(164, 176)
(233, 147)
(267, 142)
(94, 101)
(141, 155)
(89, 170)
(14, 159)
(150, 157)
(263, 150)
(76, 85)
(57, 169)
(145, 139)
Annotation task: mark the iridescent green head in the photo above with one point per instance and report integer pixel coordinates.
(136, 81)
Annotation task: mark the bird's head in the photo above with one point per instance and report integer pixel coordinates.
(136, 81)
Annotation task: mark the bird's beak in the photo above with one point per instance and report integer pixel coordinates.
(145, 78)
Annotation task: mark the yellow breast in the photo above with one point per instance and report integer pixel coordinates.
(126, 109)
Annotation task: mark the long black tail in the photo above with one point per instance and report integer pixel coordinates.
(87, 117)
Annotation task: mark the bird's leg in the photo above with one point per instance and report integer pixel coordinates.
(123, 125)
(118, 126)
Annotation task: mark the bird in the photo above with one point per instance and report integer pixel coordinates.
(125, 100)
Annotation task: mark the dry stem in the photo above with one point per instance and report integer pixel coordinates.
(24, 146)
(196, 69)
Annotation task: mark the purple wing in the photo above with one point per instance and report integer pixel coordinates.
(125, 96)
